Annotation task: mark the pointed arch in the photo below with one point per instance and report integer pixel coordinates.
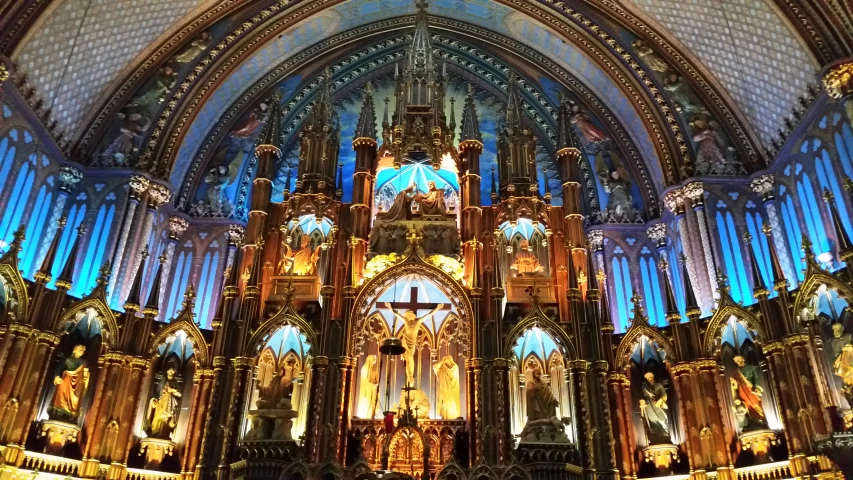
(296, 470)
(413, 264)
(626, 346)
(718, 322)
(815, 277)
(332, 469)
(12, 278)
(105, 317)
(538, 319)
(450, 471)
(483, 471)
(285, 316)
(515, 472)
(193, 333)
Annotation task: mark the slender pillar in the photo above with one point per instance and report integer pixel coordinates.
(177, 227)
(69, 177)
(674, 202)
(157, 196)
(138, 187)
(763, 186)
(695, 191)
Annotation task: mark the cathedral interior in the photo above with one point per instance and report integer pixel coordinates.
(443, 240)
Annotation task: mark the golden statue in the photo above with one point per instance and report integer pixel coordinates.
(163, 409)
(409, 334)
(419, 404)
(368, 388)
(301, 262)
(71, 380)
(447, 374)
(432, 202)
(526, 264)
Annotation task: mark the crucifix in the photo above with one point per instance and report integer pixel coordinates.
(411, 327)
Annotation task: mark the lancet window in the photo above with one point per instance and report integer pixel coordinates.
(622, 288)
(75, 217)
(96, 248)
(730, 245)
(182, 268)
(35, 225)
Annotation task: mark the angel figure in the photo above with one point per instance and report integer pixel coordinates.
(616, 182)
(584, 125)
(709, 154)
(649, 56)
(217, 202)
(193, 49)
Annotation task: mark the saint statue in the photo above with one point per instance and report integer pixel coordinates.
(652, 59)
(541, 404)
(840, 346)
(368, 387)
(653, 409)
(418, 403)
(193, 49)
(301, 262)
(163, 409)
(432, 202)
(526, 264)
(709, 154)
(447, 375)
(277, 394)
(410, 334)
(746, 393)
(71, 380)
(401, 209)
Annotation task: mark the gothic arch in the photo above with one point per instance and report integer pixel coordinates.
(11, 276)
(329, 471)
(633, 335)
(515, 472)
(815, 277)
(483, 472)
(193, 333)
(296, 471)
(726, 310)
(537, 318)
(285, 316)
(451, 471)
(414, 264)
(106, 317)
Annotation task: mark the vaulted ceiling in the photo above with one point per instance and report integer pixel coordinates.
(746, 63)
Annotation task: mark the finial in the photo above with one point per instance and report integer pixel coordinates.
(722, 282)
(144, 253)
(104, 274)
(827, 195)
(189, 297)
(766, 229)
(747, 237)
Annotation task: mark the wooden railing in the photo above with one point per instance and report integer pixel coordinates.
(141, 474)
(50, 463)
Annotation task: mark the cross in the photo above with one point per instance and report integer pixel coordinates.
(414, 305)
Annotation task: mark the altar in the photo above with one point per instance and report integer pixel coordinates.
(439, 236)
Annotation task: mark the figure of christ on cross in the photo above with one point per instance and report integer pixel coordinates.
(410, 332)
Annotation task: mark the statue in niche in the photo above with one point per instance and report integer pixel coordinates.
(526, 264)
(301, 262)
(71, 380)
(432, 202)
(163, 408)
(447, 375)
(368, 388)
(194, 49)
(616, 182)
(584, 125)
(410, 334)
(746, 394)
(215, 202)
(277, 394)
(653, 410)
(652, 59)
(541, 404)
(840, 349)
(401, 209)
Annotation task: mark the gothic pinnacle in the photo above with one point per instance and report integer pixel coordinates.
(67, 274)
(366, 127)
(470, 130)
(43, 273)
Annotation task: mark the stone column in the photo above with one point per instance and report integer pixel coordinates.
(202, 382)
(138, 187)
(695, 191)
(69, 177)
(674, 202)
(177, 227)
(157, 196)
(619, 389)
(763, 185)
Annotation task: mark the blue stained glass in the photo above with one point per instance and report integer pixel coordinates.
(844, 146)
(75, 217)
(728, 256)
(652, 291)
(95, 251)
(761, 249)
(202, 289)
(15, 208)
(182, 275)
(629, 288)
(828, 180)
(34, 231)
(792, 228)
(206, 286)
(811, 212)
(622, 309)
(7, 158)
(738, 273)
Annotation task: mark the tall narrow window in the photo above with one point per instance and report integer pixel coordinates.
(759, 246)
(97, 246)
(829, 181)
(812, 214)
(210, 272)
(792, 230)
(675, 267)
(7, 155)
(17, 202)
(622, 289)
(844, 144)
(182, 270)
(35, 226)
(652, 288)
(75, 217)
(732, 255)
